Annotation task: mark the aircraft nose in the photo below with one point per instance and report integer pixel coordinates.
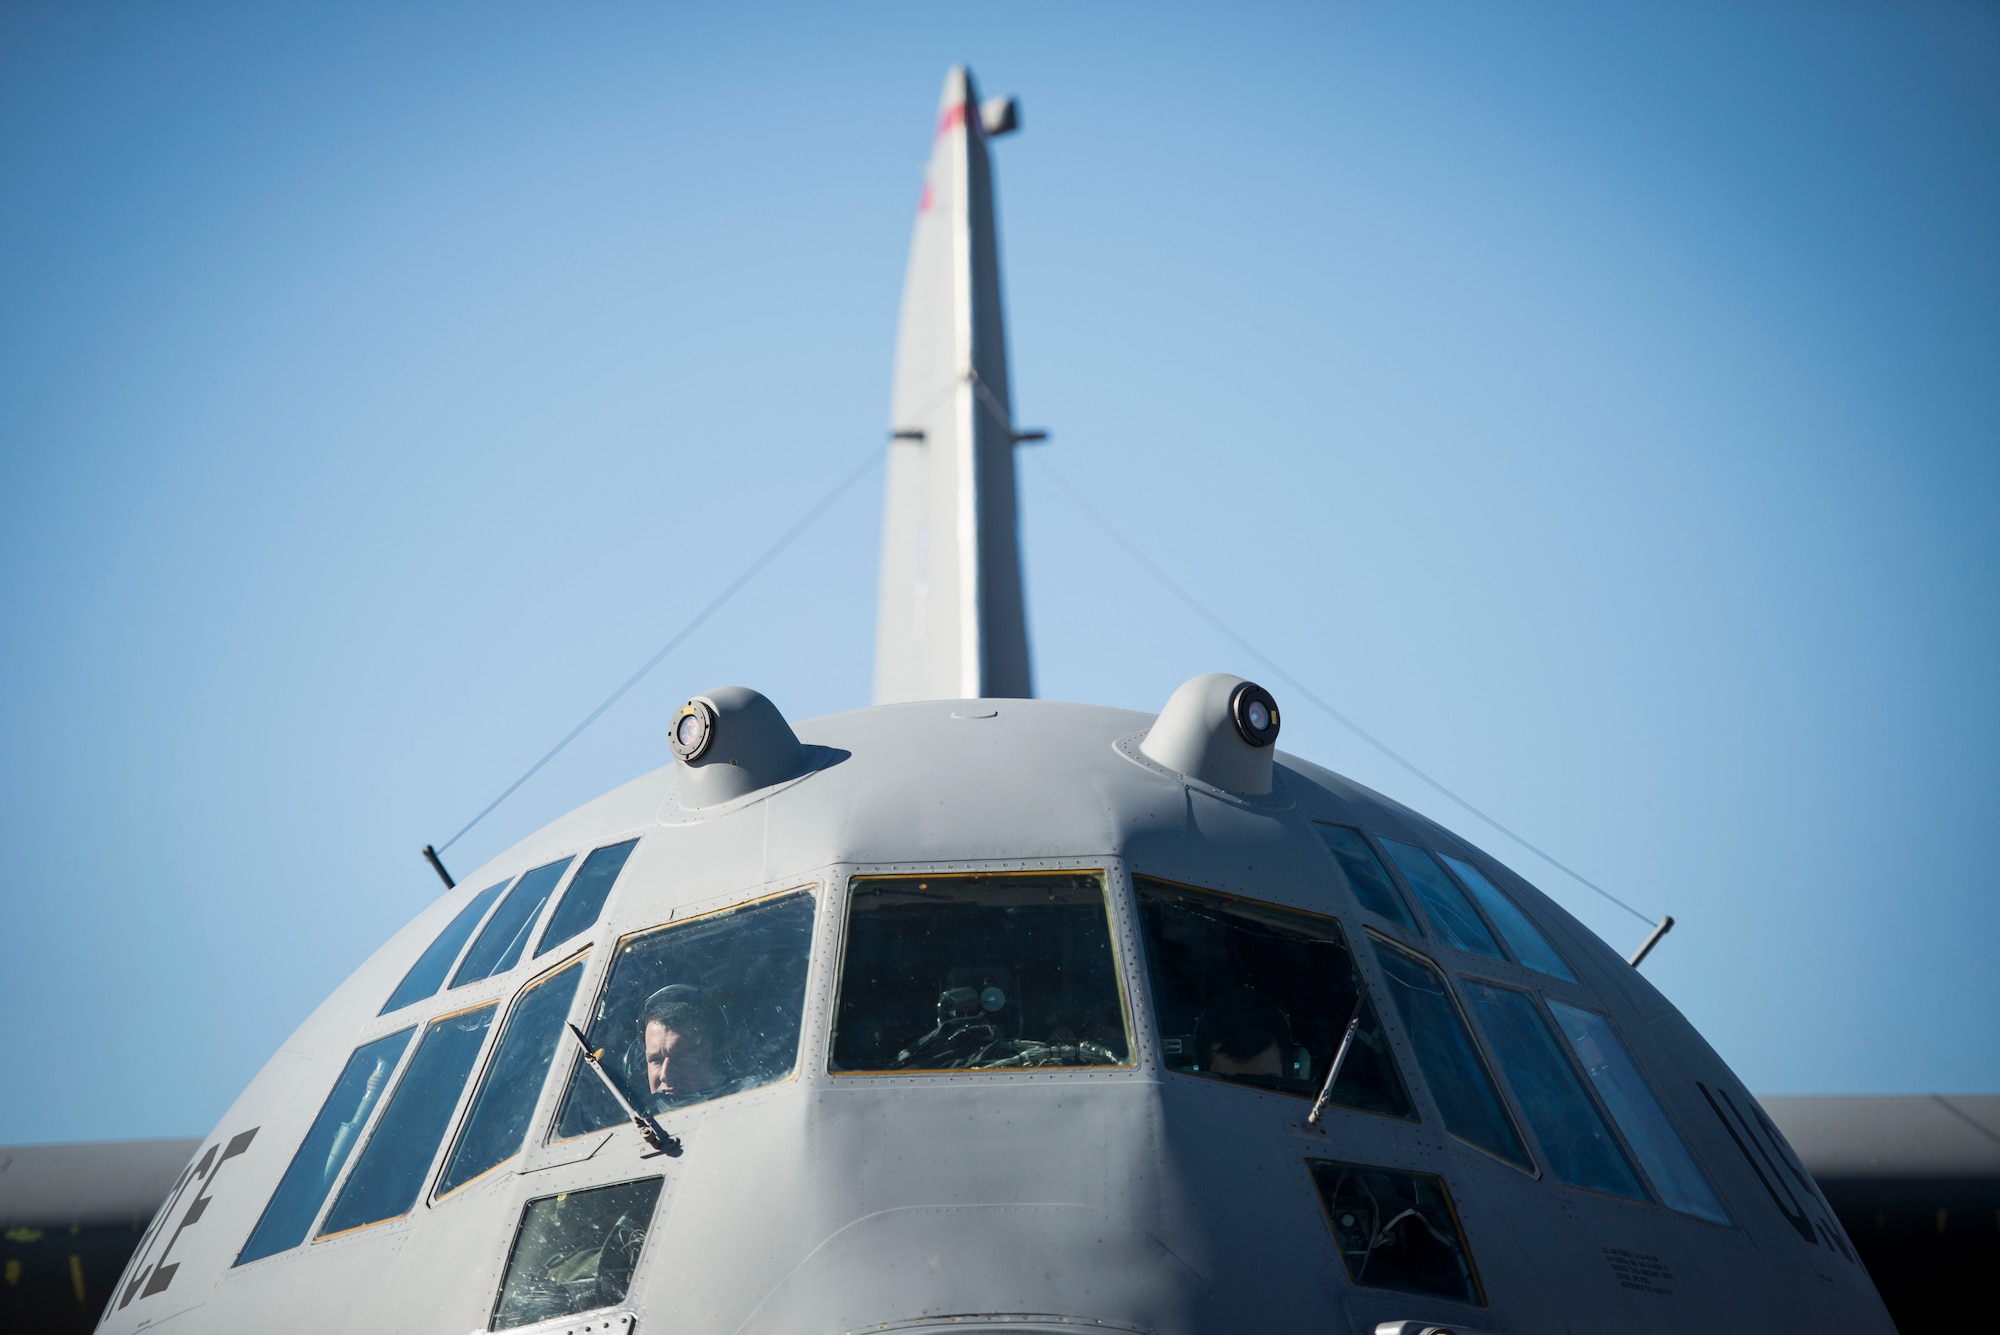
(888, 1268)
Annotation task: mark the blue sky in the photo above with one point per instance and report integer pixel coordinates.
(1598, 404)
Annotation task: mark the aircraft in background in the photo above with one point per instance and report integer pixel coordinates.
(975, 1012)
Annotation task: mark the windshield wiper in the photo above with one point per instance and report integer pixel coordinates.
(1339, 1059)
(655, 1134)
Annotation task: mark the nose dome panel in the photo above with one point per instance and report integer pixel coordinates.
(895, 1266)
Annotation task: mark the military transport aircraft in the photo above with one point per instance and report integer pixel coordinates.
(975, 1012)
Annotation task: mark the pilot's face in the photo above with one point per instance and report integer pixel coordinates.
(1268, 1062)
(676, 1062)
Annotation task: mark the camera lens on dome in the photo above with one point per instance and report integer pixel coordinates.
(1255, 714)
(693, 730)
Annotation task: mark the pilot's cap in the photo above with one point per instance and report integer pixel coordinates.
(684, 1008)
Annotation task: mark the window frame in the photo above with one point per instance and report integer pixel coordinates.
(1507, 970)
(451, 1126)
(531, 929)
(537, 948)
(1369, 990)
(1324, 1156)
(499, 893)
(1568, 1053)
(1417, 924)
(1500, 937)
(361, 1135)
(547, 1119)
(462, 1115)
(519, 1214)
(500, 990)
(1433, 934)
(578, 852)
(1652, 1080)
(369, 1034)
(1118, 921)
(1477, 1037)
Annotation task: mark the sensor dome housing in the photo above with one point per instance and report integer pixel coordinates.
(731, 741)
(1217, 728)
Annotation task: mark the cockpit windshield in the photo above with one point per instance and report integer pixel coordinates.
(323, 1153)
(697, 1010)
(1364, 873)
(1450, 913)
(1523, 937)
(969, 973)
(427, 974)
(1450, 1060)
(497, 1120)
(1262, 995)
(500, 942)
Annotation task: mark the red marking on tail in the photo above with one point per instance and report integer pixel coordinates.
(924, 204)
(954, 116)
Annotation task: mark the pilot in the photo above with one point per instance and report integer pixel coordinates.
(1243, 1034)
(683, 1032)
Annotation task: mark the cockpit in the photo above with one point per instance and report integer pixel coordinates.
(697, 1010)
(978, 973)
(1427, 982)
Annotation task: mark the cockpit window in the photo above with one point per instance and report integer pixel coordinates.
(697, 1010)
(1662, 1153)
(1451, 913)
(390, 1173)
(1522, 936)
(1396, 1230)
(427, 974)
(1451, 1063)
(574, 1252)
(500, 941)
(1261, 995)
(1365, 873)
(288, 1216)
(1578, 1145)
(501, 1109)
(967, 973)
(584, 899)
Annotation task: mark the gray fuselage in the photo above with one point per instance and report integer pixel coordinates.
(1130, 1193)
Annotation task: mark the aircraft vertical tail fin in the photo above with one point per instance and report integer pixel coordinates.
(951, 620)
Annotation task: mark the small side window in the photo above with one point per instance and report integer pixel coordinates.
(575, 1252)
(1522, 936)
(584, 899)
(1396, 1230)
(288, 1216)
(1365, 873)
(497, 1123)
(1662, 1153)
(390, 1173)
(1451, 1063)
(1261, 995)
(426, 976)
(1578, 1145)
(697, 1010)
(1451, 913)
(506, 933)
(970, 973)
